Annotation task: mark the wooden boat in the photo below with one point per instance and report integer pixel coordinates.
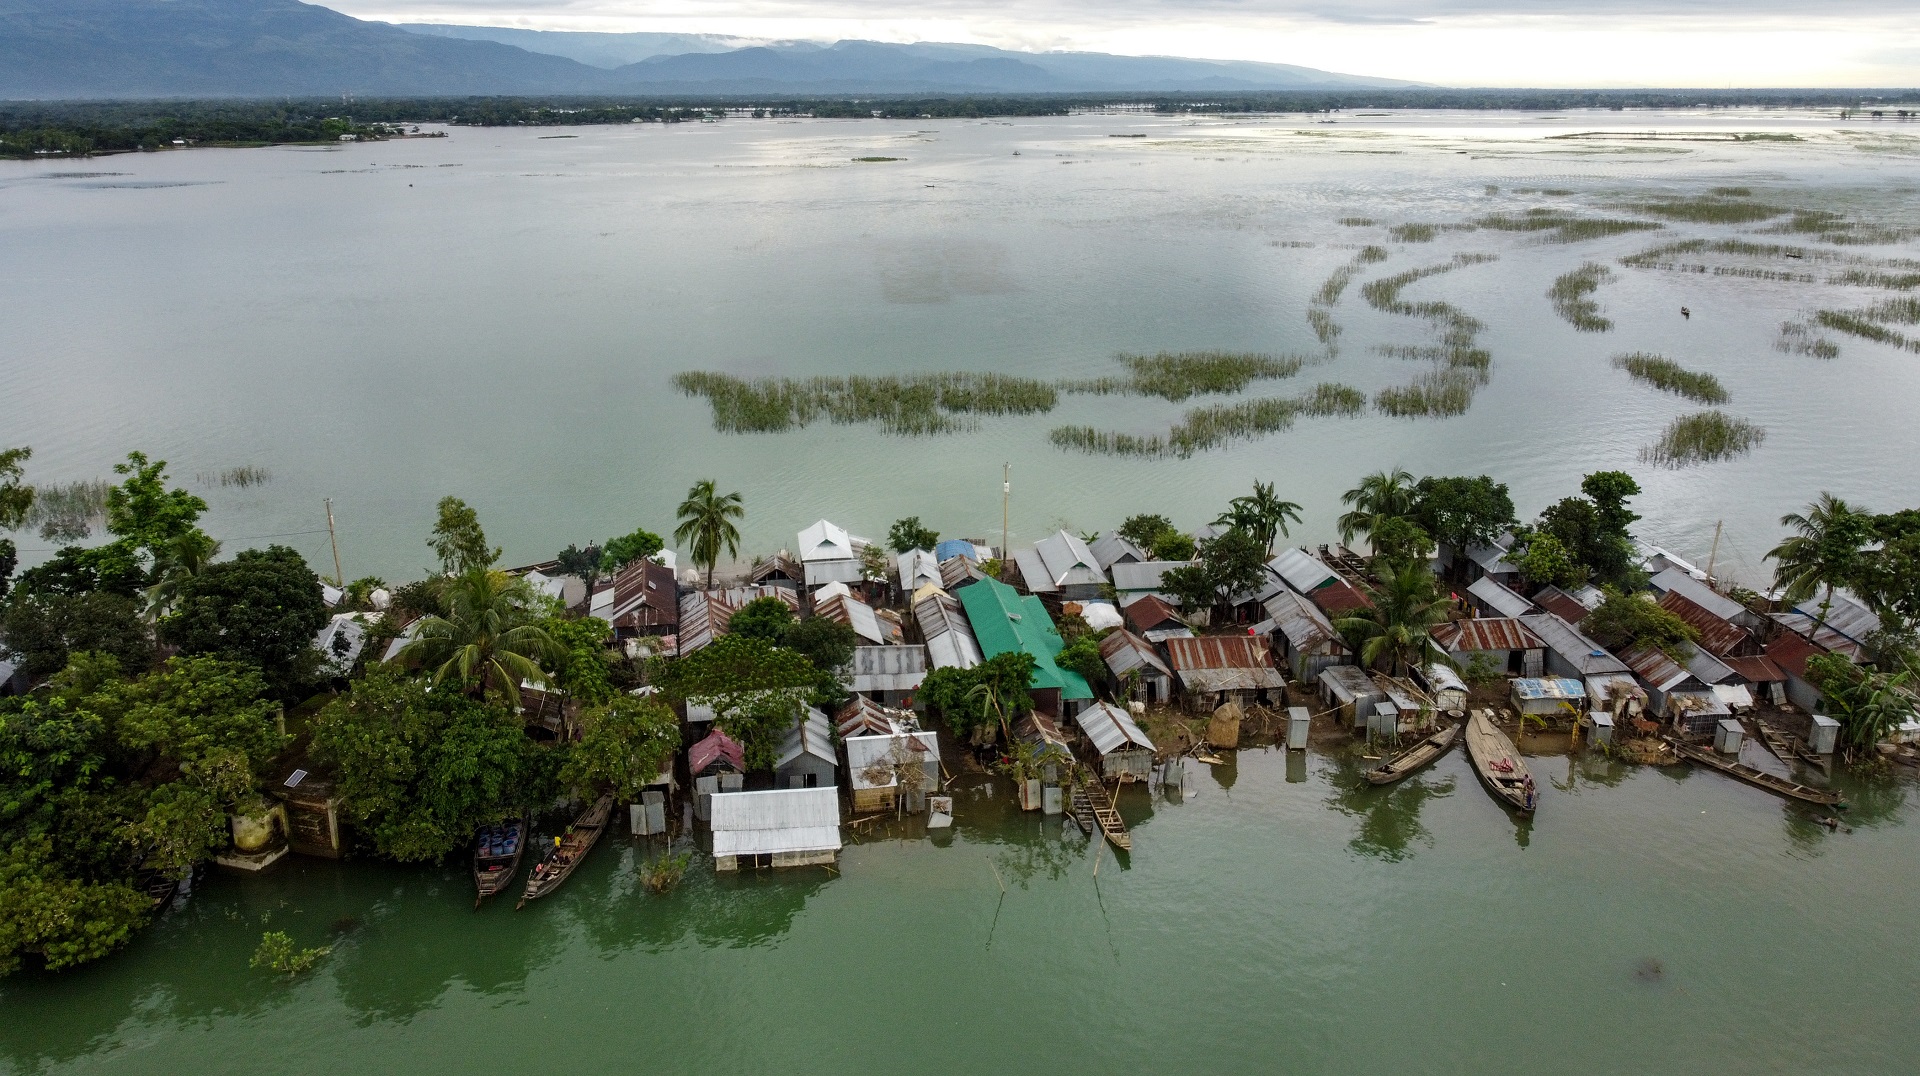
(1414, 758)
(1779, 786)
(574, 846)
(1093, 810)
(1786, 746)
(1498, 763)
(496, 857)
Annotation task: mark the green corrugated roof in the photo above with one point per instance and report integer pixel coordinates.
(1005, 620)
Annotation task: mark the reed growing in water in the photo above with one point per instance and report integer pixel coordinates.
(1566, 227)
(1669, 376)
(1414, 233)
(1357, 222)
(1570, 294)
(914, 404)
(1798, 338)
(1707, 209)
(69, 511)
(1702, 437)
(1437, 394)
(1863, 325)
(243, 476)
(1178, 375)
(1204, 428)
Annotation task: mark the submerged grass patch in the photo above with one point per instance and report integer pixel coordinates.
(1204, 428)
(1439, 394)
(1357, 222)
(243, 476)
(1179, 375)
(1570, 294)
(68, 512)
(1798, 338)
(1669, 376)
(1702, 437)
(1707, 209)
(1566, 227)
(915, 404)
(1858, 323)
(1414, 233)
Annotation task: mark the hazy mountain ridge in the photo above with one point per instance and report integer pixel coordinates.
(268, 48)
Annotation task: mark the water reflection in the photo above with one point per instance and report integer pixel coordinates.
(1390, 814)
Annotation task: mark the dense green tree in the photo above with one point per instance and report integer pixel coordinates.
(1592, 530)
(1394, 633)
(1625, 620)
(1546, 561)
(1462, 512)
(263, 607)
(992, 693)
(1158, 536)
(762, 618)
(42, 629)
(1827, 550)
(627, 548)
(585, 563)
(179, 561)
(458, 539)
(1261, 514)
(144, 514)
(758, 690)
(60, 919)
(624, 743)
(907, 535)
(582, 664)
(1379, 497)
(1868, 704)
(1888, 578)
(16, 503)
(1082, 655)
(1398, 542)
(490, 640)
(707, 524)
(417, 771)
(1226, 566)
(827, 643)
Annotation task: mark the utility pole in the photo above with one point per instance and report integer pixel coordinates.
(1006, 494)
(1714, 554)
(339, 577)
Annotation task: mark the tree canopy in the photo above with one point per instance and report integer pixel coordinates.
(627, 548)
(758, 690)
(458, 539)
(1158, 536)
(992, 693)
(708, 524)
(624, 743)
(907, 535)
(1624, 620)
(1228, 565)
(1462, 512)
(262, 607)
(762, 618)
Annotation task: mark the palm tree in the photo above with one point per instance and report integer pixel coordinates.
(1264, 514)
(1824, 553)
(488, 640)
(179, 560)
(1397, 629)
(706, 524)
(1379, 496)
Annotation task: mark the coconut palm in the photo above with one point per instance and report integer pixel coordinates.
(706, 524)
(1379, 496)
(489, 639)
(1824, 552)
(179, 560)
(1396, 631)
(1262, 514)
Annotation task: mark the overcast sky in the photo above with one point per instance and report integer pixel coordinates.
(1714, 43)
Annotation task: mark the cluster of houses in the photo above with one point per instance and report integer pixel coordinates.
(935, 609)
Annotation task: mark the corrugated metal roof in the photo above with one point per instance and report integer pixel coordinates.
(1150, 614)
(1348, 682)
(960, 547)
(1700, 594)
(1498, 598)
(888, 668)
(1822, 635)
(918, 568)
(858, 615)
(1573, 647)
(703, 617)
(1709, 669)
(1716, 635)
(812, 736)
(1659, 671)
(1301, 570)
(1033, 571)
(824, 541)
(1143, 577)
(779, 566)
(862, 716)
(864, 751)
(1223, 663)
(1038, 728)
(1487, 633)
(644, 596)
(1004, 621)
(1069, 563)
(1492, 559)
(1110, 728)
(776, 820)
(1846, 615)
(956, 571)
(1301, 622)
(950, 641)
(1339, 598)
(1757, 670)
(717, 745)
(1561, 604)
(1124, 652)
(1111, 549)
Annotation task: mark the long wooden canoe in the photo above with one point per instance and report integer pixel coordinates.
(1414, 758)
(1498, 763)
(1093, 809)
(574, 846)
(496, 857)
(1779, 786)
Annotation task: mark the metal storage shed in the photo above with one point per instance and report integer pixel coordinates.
(877, 770)
(944, 628)
(806, 758)
(1124, 750)
(784, 827)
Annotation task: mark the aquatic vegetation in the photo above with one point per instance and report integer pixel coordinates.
(1702, 437)
(1324, 327)
(1566, 227)
(1357, 222)
(243, 476)
(1457, 358)
(1204, 428)
(1370, 254)
(1570, 293)
(1866, 278)
(1439, 394)
(1732, 192)
(1798, 338)
(1669, 376)
(1707, 209)
(1578, 231)
(68, 512)
(1177, 375)
(1414, 233)
(914, 404)
(1861, 324)
(876, 160)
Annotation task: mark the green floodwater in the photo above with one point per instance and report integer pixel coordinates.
(1648, 921)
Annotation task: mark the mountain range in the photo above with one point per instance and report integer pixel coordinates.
(68, 49)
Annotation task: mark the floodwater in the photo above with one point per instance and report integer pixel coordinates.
(497, 314)
(1647, 920)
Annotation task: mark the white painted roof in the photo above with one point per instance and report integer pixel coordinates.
(776, 820)
(917, 569)
(1110, 728)
(824, 541)
(812, 736)
(1301, 570)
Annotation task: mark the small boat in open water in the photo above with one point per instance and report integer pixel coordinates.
(574, 846)
(1779, 786)
(1498, 763)
(1414, 758)
(496, 856)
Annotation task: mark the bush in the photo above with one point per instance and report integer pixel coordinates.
(278, 954)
